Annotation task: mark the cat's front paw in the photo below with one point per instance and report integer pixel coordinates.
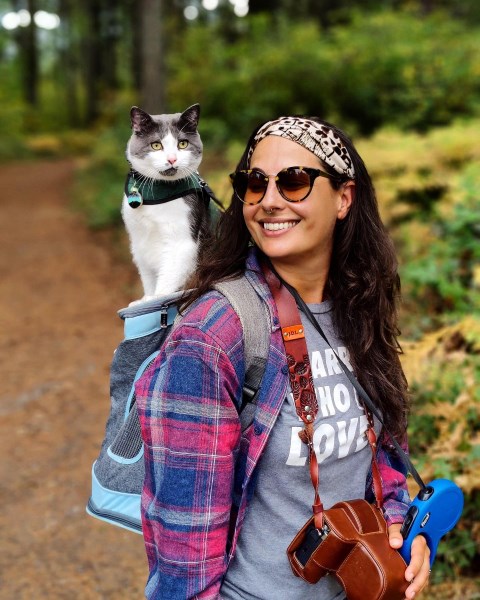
(135, 302)
(142, 300)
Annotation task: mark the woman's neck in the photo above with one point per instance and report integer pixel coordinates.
(309, 283)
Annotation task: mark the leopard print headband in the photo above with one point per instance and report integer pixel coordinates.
(318, 138)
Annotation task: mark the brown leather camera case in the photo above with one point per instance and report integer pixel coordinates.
(356, 551)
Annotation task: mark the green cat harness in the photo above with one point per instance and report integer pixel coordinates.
(140, 190)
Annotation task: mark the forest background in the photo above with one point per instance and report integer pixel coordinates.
(403, 78)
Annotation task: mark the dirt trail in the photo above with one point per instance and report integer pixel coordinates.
(60, 290)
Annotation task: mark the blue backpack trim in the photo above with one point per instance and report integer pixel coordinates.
(145, 324)
(118, 508)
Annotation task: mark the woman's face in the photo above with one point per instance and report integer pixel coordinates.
(301, 233)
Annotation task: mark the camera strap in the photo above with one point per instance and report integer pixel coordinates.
(368, 402)
(301, 383)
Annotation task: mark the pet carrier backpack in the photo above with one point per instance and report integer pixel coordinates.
(118, 472)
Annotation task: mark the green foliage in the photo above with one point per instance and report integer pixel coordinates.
(401, 68)
(99, 184)
(457, 550)
(98, 194)
(441, 274)
(426, 185)
(407, 71)
(444, 374)
(422, 432)
(12, 117)
(257, 76)
(426, 73)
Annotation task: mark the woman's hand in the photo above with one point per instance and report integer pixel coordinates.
(418, 571)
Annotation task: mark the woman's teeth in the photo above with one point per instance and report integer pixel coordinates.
(277, 226)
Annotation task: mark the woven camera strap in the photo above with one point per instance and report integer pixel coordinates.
(301, 383)
(290, 295)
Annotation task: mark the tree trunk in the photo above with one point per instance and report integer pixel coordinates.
(93, 60)
(109, 43)
(133, 17)
(152, 90)
(68, 60)
(28, 51)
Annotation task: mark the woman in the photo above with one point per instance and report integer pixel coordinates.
(220, 507)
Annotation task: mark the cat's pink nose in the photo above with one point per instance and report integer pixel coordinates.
(172, 159)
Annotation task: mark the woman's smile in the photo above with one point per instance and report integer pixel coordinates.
(276, 227)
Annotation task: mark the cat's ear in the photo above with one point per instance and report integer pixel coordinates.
(189, 119)
(142, 122)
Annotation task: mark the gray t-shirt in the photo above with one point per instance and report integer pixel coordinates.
(284, 494)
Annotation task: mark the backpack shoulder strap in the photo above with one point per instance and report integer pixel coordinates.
(253, 316)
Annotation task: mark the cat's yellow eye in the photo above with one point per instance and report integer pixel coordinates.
(156, 146)
(182, 144)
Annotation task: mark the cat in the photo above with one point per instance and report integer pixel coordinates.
(164, 152)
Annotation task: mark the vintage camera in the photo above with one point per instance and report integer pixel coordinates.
(313, 537)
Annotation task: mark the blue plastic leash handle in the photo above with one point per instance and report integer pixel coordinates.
(433, 513)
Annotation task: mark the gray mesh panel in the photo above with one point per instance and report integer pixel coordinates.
(128, 441)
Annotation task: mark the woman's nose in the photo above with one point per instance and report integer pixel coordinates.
(272, 198)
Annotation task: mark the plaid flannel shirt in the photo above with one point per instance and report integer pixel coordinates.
(200, 468)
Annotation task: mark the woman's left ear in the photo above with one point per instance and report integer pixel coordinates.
(346, 199)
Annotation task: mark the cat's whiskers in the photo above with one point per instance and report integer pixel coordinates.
(147, 182)
(151, 181)
(190, 176)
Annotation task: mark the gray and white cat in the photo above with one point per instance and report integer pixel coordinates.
(165, 238)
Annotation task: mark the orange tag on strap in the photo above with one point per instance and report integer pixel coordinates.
(294, 332)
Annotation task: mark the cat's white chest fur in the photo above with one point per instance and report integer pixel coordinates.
(161, 244)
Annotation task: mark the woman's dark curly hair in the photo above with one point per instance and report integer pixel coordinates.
(363, 285)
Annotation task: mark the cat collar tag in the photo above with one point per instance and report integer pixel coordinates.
(134, 198)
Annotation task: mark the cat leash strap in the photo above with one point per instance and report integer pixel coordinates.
(356, 384)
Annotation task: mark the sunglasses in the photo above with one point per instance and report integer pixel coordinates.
(293, 183)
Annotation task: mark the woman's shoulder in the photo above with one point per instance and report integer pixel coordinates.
(211, 305)
(211, 317)
(219, 313)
